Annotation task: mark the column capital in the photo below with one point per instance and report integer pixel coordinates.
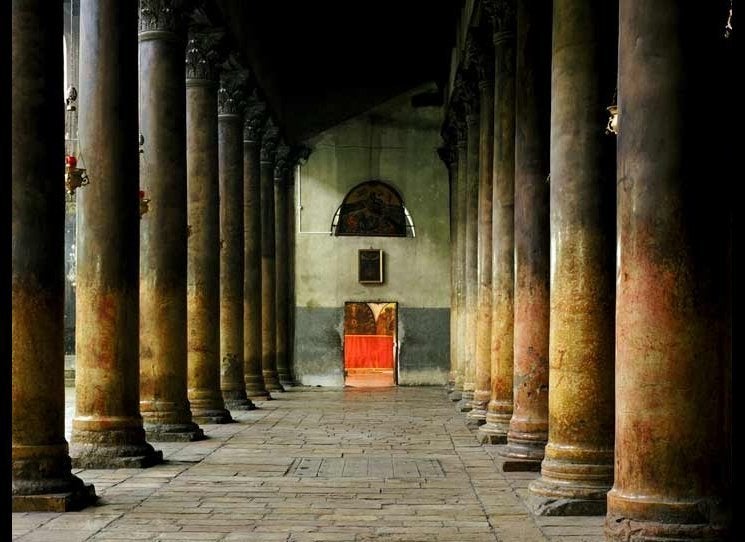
(282, 162)
(203, 54)
(448, 151)
(269, 141)
(255, 118)
(164, 15)
(478, 57)
(234, 87)
(299, 154)
(465, 93)
(501, 17)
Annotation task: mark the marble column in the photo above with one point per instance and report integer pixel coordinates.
(577, 470)
(483, 61)
(203, 246)
(281, 243)
(231, 104)
(448, 153)
(269, 143)
(460, 270)
(107, 430)
(499, 409)
(40, 464)
(471, 105)
(163, 367)
(528, 430)
(676, 178)
(255, 119)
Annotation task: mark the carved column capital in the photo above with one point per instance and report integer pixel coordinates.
(299, 154)
(282, 163)
(448, 152)
(501, 15)
(203, 56)
(478, 57)
(231, 97)
(163, 15)
(255, 118)
(269, 141)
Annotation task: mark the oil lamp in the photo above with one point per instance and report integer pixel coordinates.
(144, 203)
(75, 177)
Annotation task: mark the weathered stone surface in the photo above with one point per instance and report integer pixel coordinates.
(163, 229)
(528, 430)
(40, 464)
(672, 476)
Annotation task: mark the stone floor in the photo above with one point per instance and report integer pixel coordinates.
(394, 464)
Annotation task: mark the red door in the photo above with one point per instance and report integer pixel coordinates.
(369, 344)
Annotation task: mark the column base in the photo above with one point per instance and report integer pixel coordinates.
(455, 395)
(476, 417)
(187, 432)
(69, 501)
(549, 498)
(492, 433)
(621, 529)
(522, 456)
(240, 404)
(97, 455)
(259, 396)
(271, 381)
(237, 400)
(466, 401)
(211, 416)
(650, 519)
(574, 485)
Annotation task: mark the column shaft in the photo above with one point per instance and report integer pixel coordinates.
(460, 270)
(107, 430)
(528, 430)
(577, 470)
(252, 269)
(283, 280)
(482, 390)
(42, 479)
(673, 326)
(163, 359)
(471, 260)
(499, 410)
(452, 166)
(230, 151)
(203, 252)
(268, 277)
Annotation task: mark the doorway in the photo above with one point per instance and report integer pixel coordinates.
(370, 339)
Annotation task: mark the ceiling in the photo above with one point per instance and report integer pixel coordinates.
(322, 62)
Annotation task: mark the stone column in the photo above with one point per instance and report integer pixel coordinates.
(528, 430)
(471, 103)
(675, 172)
(483, 61)
(499, 410)
(203, 250)
(448, 153)
(42, 479)
(281, 243)
(460, 270)
(163, 366)
(255, 118)
(269, 143)
(577, 470)
(107, 430)
(231, 104)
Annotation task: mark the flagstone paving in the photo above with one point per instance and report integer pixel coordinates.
(392, 464)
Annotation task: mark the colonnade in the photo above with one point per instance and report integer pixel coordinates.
(593, 281)
(176, 303)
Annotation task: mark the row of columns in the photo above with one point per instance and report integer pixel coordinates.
(176, 308)
(591, 273)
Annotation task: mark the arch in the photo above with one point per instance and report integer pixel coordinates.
(373, 208)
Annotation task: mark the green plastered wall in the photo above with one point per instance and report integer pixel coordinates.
(395, 143)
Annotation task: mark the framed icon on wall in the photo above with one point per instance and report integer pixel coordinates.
(370, 266)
